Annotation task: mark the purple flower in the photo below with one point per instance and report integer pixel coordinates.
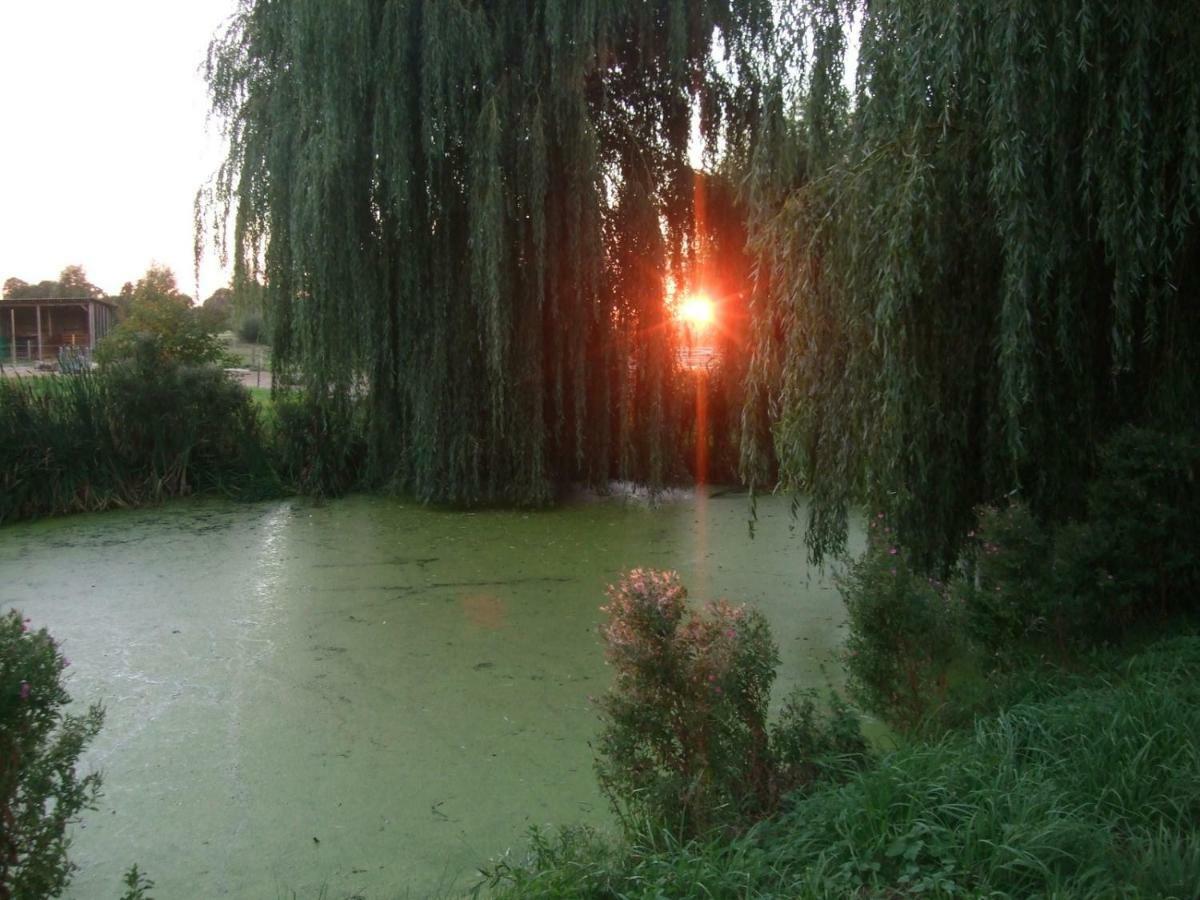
(24, 690)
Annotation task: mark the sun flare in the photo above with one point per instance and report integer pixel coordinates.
(696, 311)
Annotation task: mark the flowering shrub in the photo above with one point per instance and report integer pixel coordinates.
(40, 792)
(1023, 588)
(1006, 585)
(904, 632)
(685, 740)
(1133, 557)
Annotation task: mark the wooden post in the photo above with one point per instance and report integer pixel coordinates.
(38, 310)
(12, 318)
(91, 314)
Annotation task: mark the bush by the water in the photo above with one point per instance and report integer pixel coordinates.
(318, 444)
(1024, 589)
(1132, 559)
(904, 631)
(685, 743)
(1092, 791)
(141, 430)
(41, 792)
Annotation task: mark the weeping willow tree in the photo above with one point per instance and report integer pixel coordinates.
(468, 211)
(981, 260)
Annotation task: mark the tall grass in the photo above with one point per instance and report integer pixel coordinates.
(1091, 792)
(139, 432)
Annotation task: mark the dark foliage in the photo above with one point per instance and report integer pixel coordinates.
(981, 263)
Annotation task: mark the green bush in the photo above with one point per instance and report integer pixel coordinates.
(1006, 585)
(810, 745)
(318, 443)
(139, 431)
(685, 742)
(251, 328)
(1132, 559)
(40, 791)
(188, 427)
(170, 332)
(1142, 511)
(1023, 590)
(905, 632)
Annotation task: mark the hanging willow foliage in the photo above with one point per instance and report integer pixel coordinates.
(469, 210)
(979, 263)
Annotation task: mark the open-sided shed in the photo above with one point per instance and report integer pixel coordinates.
(34, 330)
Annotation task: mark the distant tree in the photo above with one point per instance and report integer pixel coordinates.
(161, 320)
(72, 283)
(159, 283)
(124, 301)
(217, 310)
(14, 288)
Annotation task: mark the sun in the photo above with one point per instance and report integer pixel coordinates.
(696, 311)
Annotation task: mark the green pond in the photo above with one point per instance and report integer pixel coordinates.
(365, 697)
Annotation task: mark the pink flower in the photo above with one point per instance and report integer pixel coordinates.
(892, 551)
(24, 690)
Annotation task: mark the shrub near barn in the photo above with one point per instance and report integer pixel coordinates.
(163, 317)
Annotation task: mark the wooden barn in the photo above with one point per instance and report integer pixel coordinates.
(34, 330)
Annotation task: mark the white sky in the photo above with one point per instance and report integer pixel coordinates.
(103, 137)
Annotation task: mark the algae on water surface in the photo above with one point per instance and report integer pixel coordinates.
(364, 695)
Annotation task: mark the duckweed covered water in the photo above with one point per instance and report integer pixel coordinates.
(366, 697)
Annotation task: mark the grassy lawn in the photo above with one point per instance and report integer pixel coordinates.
(261, 396)
(1088, 790)
(255, 357)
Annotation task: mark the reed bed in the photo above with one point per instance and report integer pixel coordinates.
(139, 432)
